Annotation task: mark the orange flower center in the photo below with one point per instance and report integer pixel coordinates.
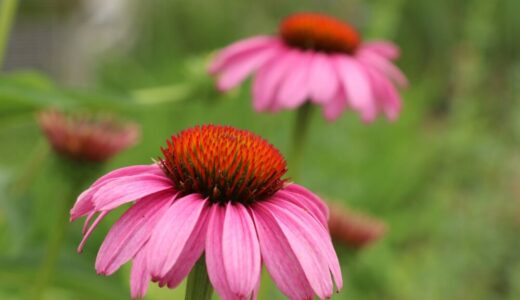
(224, 164)
(319, 32)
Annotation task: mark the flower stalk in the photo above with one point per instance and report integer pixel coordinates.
(74, 174)
(7, 14)
(299, 139)
(199, 287)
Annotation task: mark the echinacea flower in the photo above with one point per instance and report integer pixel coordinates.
(218, 192)
(87, 137)
(319, 59)
(354, 229)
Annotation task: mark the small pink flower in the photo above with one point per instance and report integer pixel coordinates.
(319, 59)
(218, 191)
(87, 137)
(354, 229)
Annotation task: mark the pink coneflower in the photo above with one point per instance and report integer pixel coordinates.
(319, 59)
(354, 229)
(216, 191)
(87, 137)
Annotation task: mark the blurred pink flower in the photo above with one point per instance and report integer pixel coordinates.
(319, 59)
(217, 190)
(87, 137)
(354, 229)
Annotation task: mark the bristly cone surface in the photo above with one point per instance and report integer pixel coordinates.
(224, 164)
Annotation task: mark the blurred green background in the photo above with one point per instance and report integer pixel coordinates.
(445, 176)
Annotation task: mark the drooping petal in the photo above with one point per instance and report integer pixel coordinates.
(294, 88)
(241, 251)
(239, 48)
(308, 253)
(268, 79)
(386, 94)
(84, 204)
(335, 108)
(126, 189)
(239, 69)
(384, 48)
(87, 234)
(306, 200)
(316, 234)
(279, 258)
(214, 253)
(89, 218)
(323, 81)
(384, 66)
(172, 232)
(190, 254)
(356, 85)
(131, 232)
(139, 276)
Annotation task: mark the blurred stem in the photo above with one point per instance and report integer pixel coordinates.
(73, 174)
(33, 165)
(7, 14)
(299, 138)
(199, 287)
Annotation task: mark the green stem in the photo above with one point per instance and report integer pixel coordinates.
(299, 138)
(56, 239)
(74, 174)
(199, 287)
(29, 171)
(7, 14)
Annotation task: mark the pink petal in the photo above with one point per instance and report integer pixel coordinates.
(323, 81)
(126, 189)
(129, 171)
(131, 232)
(316, 234)
(279, 258)
(214, 253)
(356, 85)
(190, 254)
(294, 88)
(87, 222)
(241, 252)
(242, 47)
(386, 94)
(306, 200)
(139, 277)
(386, 49)
(268, 79)
(385, 67)
(239, 69)
(256, 290)
(305, 247)
(172, 232)
(90, 230)
(84, 204)
(335, 108)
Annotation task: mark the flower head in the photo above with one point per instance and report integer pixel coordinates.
(86, 137)
(319, 59)
(354, 229)
(219, 191)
